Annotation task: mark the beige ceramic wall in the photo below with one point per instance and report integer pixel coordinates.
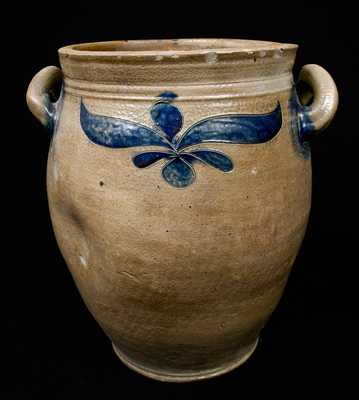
(181, 280)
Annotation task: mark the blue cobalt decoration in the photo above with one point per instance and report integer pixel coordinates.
(167, 117)
(302, 126)
(178, 170)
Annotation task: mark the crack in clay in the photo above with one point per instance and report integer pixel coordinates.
(211, 57)
(129, 275)
(83, 261)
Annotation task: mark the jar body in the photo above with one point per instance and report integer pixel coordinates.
(182, 280)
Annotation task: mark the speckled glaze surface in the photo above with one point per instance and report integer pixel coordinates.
(179, 185)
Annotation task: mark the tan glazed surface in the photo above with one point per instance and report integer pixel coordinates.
(182, 280)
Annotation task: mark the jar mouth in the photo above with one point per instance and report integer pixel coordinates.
(176, 62)
(153, 48)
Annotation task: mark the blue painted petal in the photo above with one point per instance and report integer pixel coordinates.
(213, 158)
(143, 160)
(236, 128)
(167, 117)
(178, 173)
(168, 95)
(118, 132)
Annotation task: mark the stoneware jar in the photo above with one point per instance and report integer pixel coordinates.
(179, 186)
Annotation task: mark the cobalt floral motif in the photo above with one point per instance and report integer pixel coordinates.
(178, 148)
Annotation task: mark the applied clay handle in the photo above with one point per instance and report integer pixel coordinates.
(320, 113)
(39, 94)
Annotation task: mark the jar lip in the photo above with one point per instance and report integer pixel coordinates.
(176, 62)
(155, 48)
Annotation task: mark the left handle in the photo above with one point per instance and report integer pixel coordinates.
(40, 94)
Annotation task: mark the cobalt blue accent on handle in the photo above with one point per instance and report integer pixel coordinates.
(306, 125)
(178, 171)
(300, 118)
(238, 129)
(167, 117)
(51, 111)
(117, 132)
(56, 111)
(302, 126)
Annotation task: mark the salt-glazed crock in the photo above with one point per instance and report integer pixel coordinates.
(179, 185)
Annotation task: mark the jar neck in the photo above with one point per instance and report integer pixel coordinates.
(269, 85)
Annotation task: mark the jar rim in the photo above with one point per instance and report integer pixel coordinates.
(176, 62)
(152, 48)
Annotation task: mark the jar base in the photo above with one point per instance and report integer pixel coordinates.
(170, 376)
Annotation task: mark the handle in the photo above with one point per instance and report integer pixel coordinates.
(318, 115)
(39, 94)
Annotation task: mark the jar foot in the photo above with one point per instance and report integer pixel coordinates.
(171, 376)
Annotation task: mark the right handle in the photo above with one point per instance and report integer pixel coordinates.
(320, 113)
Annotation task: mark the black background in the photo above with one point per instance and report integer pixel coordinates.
(52, 347)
